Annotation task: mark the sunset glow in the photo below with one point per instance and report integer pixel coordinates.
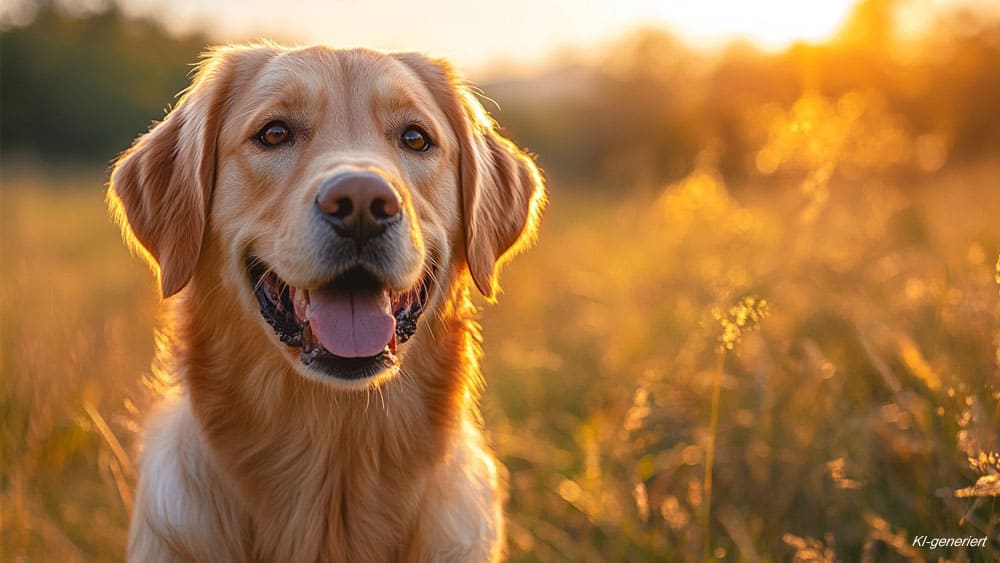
(772, 24)
(524, 31)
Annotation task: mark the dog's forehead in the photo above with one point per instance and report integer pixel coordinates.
(320, 79)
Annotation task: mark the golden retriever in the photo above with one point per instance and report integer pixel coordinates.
(318, 218)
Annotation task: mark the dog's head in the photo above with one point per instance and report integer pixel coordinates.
(338, 191)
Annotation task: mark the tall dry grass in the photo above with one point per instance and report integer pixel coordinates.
(76, 338)
(625, 390)
(644, 405)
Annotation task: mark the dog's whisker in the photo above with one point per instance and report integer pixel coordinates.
(381, 396)
(407, 378)
(257, 261)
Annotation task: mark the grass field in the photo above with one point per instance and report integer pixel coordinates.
(697, 371)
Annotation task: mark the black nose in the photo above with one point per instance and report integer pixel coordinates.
(358, 205)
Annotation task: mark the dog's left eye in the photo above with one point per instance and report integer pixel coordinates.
(416, 139)
(274, 133)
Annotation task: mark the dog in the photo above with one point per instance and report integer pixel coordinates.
(319, 219)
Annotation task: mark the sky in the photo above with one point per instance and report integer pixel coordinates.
(503, 34)
(475, 33)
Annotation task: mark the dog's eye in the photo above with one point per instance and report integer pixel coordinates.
(415, 138)
(274, 133)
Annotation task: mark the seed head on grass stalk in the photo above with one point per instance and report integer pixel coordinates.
(987, 465)
(742, 317)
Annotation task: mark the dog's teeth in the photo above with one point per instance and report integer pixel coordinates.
(300, 299)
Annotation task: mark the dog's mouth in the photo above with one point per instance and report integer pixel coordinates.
(349, 328)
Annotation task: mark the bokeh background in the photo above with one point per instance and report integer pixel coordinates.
(762, 322)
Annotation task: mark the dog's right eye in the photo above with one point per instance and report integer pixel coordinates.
(274, 133)
(416, 139)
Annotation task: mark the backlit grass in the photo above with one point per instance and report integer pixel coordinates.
(844, 424)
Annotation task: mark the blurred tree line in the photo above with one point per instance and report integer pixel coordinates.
(80, 86)
(651, 105)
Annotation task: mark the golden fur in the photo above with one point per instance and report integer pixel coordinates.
(254, 457)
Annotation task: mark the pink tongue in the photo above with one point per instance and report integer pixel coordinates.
(351, 324)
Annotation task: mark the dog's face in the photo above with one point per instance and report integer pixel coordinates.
(342, 192)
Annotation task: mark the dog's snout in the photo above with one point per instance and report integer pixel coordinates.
(358, 205)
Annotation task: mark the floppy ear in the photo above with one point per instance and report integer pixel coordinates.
(502, 189)
(161, 187)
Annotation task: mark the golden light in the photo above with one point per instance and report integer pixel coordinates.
(771, 24)
(472, 33)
